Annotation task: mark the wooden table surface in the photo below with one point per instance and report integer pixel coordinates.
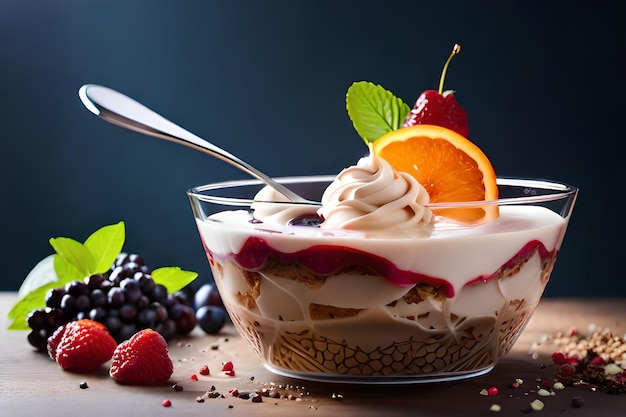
(33, 385)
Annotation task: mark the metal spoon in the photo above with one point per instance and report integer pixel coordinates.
(121, 110)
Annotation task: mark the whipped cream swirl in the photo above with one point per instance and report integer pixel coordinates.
(372, 197)
(270, 206)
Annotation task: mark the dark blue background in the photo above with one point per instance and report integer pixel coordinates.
(542, 84)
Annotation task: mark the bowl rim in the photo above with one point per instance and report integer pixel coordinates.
(560, 190)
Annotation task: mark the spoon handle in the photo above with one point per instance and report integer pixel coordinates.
(121, 110)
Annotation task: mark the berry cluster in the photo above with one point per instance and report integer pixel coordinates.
(125, 299)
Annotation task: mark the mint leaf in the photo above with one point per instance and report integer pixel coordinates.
(105, 244)
(75, 253)
(66, 272)
(41, 274)
(173, 278)
(373, 110)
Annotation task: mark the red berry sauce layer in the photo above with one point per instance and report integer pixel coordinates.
(329, 259)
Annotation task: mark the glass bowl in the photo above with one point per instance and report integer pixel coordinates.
(342, 306)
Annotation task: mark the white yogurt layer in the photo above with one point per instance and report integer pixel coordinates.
(454, 254)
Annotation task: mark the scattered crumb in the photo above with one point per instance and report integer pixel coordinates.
(496, 408)
(543, 392)
(537, 405)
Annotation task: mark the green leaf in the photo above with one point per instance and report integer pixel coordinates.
(173, 278)
(374, 111)
(33, 300)
(41, 274)
(66, 272)
(75, 253)
(105, 244)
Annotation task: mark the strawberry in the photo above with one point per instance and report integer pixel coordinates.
(433, 108)
(439, 107)
(142, 360)
(81, 346)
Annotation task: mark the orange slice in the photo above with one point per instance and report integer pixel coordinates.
(449, 166)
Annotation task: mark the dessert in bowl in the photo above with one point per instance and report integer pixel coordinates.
(416, 264)
(326, 303)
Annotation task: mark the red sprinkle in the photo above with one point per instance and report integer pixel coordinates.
(166, 403)
(559, 358)
(492, 391)
(194, 377)
(547, 384)
(228, 368)
(233, 392)
(567, 371)
(597, 360)
(204, 370)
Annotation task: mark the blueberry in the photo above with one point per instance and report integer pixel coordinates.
(186, 322)
(211, 319)
(311, 220)
(207, 295)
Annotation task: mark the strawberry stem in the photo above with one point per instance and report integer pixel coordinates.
(455, 50)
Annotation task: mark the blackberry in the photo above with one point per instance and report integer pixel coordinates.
(125, 299)
(54, 296)
(44, 322)
(116, 297)
(94, 281)
(98, 298)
